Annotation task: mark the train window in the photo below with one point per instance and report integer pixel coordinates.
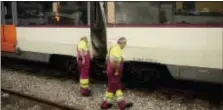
(33, 13)
(59, 13)
(199, 12)
(7, 12)
(74, 13)
(136, 12)
(190, 12)
(166, 12)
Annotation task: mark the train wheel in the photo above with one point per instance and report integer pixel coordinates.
(71, 67)
(66, 64)
(140, 75)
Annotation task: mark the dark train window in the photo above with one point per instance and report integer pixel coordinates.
(59, 13)
(7, 11)
(168, 12)
(136, 12)
(197, 8)
(199, 12)
(73, 13)
(33, 13)
(189, 6)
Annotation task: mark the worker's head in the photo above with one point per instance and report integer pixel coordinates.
(84, 38)
(122, 41)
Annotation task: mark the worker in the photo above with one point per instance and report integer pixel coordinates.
(83, 60)
(114, 73)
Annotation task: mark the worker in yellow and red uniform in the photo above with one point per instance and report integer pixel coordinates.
(114, 74)
(83, 60)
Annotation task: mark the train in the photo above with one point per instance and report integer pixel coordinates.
(188, 45)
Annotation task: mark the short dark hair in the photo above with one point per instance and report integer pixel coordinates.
(84, 37)
(121, 40)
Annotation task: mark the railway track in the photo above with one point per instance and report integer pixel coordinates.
(167, 86)
(167, 91)
(41, 100)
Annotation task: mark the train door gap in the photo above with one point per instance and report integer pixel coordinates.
(98, 34)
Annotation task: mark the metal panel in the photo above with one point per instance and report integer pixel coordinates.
(14, 13)
(174, 71)
(111, 12)
(2, 13)
(32, 56)
(201, 74)
(88, 13)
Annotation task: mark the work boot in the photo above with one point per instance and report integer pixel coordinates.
(123, 105)
(85, 92)
(106, 105)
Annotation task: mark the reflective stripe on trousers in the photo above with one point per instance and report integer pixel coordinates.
(84, 83)
(109, 96)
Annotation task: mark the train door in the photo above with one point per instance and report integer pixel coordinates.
(98, 34)
(8, 28)
(98, 29)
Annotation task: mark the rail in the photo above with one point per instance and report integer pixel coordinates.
(40, 100)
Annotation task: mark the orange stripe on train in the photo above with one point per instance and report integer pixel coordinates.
(8, 40)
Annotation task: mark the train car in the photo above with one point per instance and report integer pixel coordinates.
(185, 37)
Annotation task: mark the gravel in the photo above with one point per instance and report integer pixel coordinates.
(66, 91)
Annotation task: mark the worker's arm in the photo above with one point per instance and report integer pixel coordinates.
(82, 48)
(83, 53)
(107, 56)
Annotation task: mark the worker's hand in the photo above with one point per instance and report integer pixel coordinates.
(83, 61)
(116, 73)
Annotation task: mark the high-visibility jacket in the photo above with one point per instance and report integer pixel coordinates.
(83, 52)
(82, 46)
(115, 53)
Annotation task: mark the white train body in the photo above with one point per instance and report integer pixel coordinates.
(51, 42)
(189, 53)
(174, 46)
(192, 53)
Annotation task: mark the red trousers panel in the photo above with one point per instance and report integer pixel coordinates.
(84, 68)
(114, 82)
